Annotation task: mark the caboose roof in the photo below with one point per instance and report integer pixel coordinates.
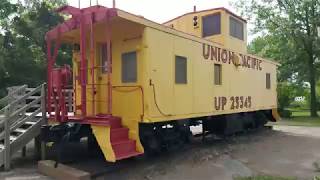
(208, 10)
(101, 14)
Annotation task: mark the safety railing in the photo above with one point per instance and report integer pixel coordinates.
(17, 111)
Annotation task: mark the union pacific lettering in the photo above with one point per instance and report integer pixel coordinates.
(225, 56)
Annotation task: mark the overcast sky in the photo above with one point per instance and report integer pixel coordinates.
(157, 10)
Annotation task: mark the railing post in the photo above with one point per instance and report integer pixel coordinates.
(7, 149)
(40, 146)
(43, 105)
(44, 120)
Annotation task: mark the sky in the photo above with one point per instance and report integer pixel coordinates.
(157, 10)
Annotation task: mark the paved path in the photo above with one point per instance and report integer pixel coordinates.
(284, 151)
(299, 130)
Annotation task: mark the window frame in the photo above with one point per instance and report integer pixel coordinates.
(219, 82)
(185, 80)
(123, 77)
(268, 81)
(204, 35)
(236, 23)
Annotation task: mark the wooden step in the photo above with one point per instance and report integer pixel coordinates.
(120, 156)
(13, 138)
(114, 122)
(20, 130)
(119, 134)
(30, 122)
(124, 147)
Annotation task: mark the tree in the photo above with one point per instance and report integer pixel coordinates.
(23, 47)
(290, 29)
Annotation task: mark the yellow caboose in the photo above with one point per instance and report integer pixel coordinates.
(139, 85)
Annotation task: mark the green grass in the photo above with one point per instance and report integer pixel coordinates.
(265, 178)
(300, 118)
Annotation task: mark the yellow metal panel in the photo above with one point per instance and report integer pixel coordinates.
(197, 98)
(102, 135)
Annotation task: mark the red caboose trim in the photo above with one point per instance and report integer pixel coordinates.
(99, 13)
(81, 19)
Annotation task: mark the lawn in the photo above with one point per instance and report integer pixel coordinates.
(300, 118)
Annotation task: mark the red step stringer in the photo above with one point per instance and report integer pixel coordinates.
(123, 146)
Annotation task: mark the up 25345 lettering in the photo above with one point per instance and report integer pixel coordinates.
(236, 102)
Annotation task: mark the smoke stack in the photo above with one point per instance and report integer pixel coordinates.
(194, 8)
(114, 3)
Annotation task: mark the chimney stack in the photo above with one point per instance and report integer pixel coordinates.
(114, 3)
(194, 8)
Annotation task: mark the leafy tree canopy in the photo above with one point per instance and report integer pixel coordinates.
(288, 32)
(23, 51)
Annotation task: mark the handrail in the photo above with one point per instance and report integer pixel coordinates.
(4, 99)
(14, 103)
(142, 95)
(12, 116)
(15, 115)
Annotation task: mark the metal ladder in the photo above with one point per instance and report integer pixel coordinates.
(22, 113)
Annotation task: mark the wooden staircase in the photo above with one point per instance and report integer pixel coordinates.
(21, 118)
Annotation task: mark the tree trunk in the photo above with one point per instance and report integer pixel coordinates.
(313, 96)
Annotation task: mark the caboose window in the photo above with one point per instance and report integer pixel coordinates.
(236, 28)
(268, 81)
(129, 67)
(211, 25)
(181, 70)
(217, 74)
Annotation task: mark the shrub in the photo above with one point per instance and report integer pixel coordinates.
(285, 113)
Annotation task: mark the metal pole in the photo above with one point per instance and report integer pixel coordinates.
(109, 65)
(92, 65)
(83, 67)
(49, 71)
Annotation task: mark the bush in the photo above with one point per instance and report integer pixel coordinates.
(285, 113)
(285, 95)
